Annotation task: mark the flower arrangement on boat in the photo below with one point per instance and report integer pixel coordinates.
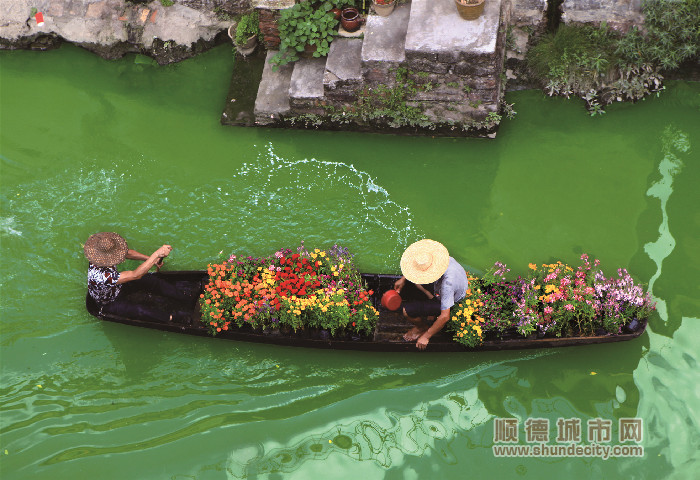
(553, 299)
(307, 289)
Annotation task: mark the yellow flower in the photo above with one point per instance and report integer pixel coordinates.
(323, 254)
(532, 266)
(316, 250)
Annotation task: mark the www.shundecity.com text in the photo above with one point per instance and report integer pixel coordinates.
(573, 450)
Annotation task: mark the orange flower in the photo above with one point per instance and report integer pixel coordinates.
(532, 266)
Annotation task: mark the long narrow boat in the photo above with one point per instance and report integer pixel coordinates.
(387, 337)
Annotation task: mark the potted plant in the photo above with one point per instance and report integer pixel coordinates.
(247, 32)
(383, 8)
(470, 9)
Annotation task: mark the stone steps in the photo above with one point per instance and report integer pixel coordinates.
(461, 59)
(272, 101)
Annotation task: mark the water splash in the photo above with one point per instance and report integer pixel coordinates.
(672, 140)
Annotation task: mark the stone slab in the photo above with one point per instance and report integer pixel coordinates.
(272, 4)
(385, 36)
(273, 93)
(307, 78)
(345, 59)
(435, 26)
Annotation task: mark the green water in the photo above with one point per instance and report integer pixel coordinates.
(89, 145)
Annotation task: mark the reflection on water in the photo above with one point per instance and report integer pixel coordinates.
(673, 141)
(667, 375)
(425, 431)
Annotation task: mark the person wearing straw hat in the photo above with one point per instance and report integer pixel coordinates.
(428, 262)
(108, 287)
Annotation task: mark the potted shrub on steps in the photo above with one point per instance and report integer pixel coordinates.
(470, 9)
(247, 32)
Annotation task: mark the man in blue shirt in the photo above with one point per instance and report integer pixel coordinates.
(425, 262)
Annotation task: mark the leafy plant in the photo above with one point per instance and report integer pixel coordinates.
(672, 35)
(601, 66)
(167, 3)
(303, 25)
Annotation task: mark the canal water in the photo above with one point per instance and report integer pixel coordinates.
(88, 145)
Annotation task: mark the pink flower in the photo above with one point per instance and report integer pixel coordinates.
(569, 307)
(548, 310)
(231, 258)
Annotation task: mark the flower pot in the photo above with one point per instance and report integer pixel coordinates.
(470, 11)
(350, 19)
(336, 13)
(383, 9)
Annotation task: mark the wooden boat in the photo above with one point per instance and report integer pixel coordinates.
(387, 337)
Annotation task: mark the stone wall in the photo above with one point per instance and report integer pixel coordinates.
(269, 13)
(618, 14)
(112, 28)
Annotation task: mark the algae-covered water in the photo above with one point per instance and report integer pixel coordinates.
(88, 145)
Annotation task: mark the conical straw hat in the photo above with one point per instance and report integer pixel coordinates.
(105, 249)
(424, 261)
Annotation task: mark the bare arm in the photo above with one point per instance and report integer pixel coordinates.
(440, 322)
(143, 269)
(134, 255)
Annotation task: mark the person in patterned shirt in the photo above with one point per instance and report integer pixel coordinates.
(109, 287)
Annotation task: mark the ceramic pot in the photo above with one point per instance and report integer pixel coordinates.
(350, 19)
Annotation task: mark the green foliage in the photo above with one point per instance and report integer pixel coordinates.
(673, 35)
(576, 55)
(303, 25)
(248, 25)
(222, 14)
(601, 66)
(33, 11)
(167, 3)
(388, 103)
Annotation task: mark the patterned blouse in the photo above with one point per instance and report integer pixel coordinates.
(102, 284)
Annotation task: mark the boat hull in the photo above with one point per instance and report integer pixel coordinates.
(387, 336)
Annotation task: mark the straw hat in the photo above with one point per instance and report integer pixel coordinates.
(105, 249)
(424, 261)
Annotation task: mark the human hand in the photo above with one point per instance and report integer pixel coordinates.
(164, 251)
(422, 342)
(398, 284)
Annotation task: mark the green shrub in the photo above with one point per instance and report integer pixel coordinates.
(601, 66)
(672, 35)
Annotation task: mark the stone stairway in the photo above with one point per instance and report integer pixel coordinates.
(462, 60)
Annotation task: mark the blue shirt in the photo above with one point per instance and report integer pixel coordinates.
(452, 286)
